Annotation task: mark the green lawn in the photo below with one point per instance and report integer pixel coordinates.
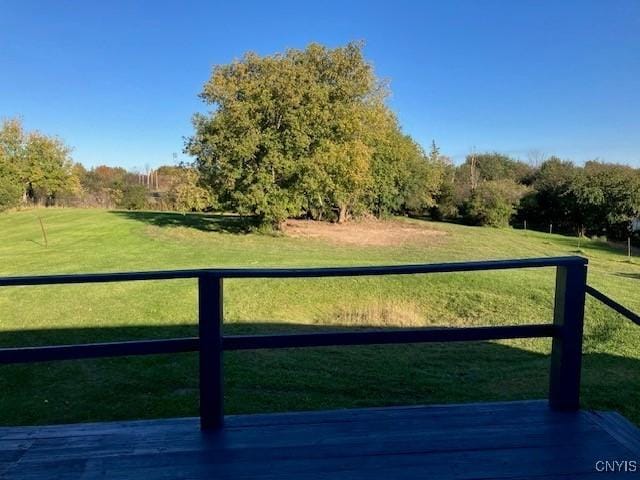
(159, 386)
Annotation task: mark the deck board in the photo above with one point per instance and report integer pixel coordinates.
(511, 440)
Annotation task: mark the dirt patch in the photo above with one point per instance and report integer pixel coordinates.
(377, 233)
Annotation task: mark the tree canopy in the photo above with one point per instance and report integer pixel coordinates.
(307, 132)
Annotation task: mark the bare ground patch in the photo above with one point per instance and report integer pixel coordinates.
(376, 233)
(381, 313)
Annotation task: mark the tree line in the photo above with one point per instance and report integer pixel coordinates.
(309, 134)
(596, 199)
(37, 169)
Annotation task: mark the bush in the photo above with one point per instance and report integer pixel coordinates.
(493, 203)
(134, 197)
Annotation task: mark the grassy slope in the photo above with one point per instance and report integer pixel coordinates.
(93, 240)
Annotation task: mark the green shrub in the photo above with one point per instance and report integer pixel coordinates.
(493, 203)
(134, 197)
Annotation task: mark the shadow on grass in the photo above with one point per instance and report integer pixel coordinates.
(635, 276)
(160, 386)
(206, 222)
(571, 243)
(580, 246)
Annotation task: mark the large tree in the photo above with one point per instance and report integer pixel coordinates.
(303, 132)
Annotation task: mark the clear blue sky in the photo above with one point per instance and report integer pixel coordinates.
(118, 80)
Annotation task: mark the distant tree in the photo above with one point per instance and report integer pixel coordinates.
(12, 141)
(10, 190)
(10, 193)
(39, 165)
(133, 197)
(80, 173)
(553, 200)
(103, 176)
(608, 197)
(487, 188)
(423, 177)
(536, 158)
(493, 203)
(168, 175)
(403, 179)
(49, 169)
(496, 166)
(446, 201)
(103, 185)
(434, 152)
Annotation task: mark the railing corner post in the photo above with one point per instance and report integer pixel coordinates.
(210, 307)
(566, 352)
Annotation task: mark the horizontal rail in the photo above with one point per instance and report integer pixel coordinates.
(382, 337)
(97, 350)
(255, 342)
(609, 302)
(294, 272)
(97, 278)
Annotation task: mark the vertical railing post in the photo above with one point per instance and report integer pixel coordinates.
(566, 350)
(210, 327)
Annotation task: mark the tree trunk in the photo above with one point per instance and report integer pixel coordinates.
(342, 214)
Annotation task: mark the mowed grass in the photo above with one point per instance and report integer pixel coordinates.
(296, 379)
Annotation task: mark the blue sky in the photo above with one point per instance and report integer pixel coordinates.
(118, 81)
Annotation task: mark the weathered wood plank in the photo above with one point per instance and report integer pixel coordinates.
(242, 448)
(500, 440)
(280, 418)
(464, 464)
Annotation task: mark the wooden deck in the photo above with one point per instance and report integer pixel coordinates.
(514, 440)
